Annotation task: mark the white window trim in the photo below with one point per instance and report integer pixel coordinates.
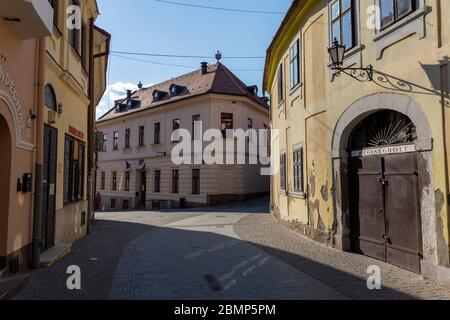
(414, 23)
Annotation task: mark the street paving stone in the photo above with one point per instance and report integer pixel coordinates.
(231, 252)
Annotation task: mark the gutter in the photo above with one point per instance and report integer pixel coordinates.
(38, 192)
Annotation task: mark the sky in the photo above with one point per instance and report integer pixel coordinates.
(151, 26)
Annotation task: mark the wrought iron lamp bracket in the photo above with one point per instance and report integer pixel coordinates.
(360, 74)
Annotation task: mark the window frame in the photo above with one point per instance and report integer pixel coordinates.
(226, 122)
(74, 170)
(102, 180)
(127, 138)
(116, 140)
(414, 7)
(353, 8)
(280, 83)
(294, 59)
(195, 118)
(127, 181)
(141, 142)
(114, 181)
(196, 188)
(298, 170)
(49, 89)
(157, 183)
(175, 181)
(74, 35)
(157, 133)
(283, 172)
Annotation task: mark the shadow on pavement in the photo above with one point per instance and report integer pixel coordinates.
(98, 256)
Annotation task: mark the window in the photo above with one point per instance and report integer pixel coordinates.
(116, 140)
(298, 170)
(141, 136)
(74, 162)
(280, 84)
(84, 48)
(74, 34)
(175, 181)
(114, 181)
(196, 181)
(126, 204)
(175, 127)
(157, 181)
(105, 143)
(196, 128)
(113, 203)
(343, 23)
(103, 181)
(55, 6)
(250, 123)
(50, 98)
(283, 184)
(226, 123)
(157, 133)
(392, 11)
(127, 180)
(294, 64)
(127, 138)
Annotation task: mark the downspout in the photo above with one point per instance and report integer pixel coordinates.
(38, 196)
(99, 55)
(91, 117)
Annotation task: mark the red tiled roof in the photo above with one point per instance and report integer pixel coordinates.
(218, 80)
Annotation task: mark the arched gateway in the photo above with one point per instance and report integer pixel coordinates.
(5, 168)
(383, 177)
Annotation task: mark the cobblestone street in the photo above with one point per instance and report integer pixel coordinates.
(231, 252)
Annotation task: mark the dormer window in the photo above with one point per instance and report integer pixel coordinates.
(158, 95)
(253, 90)
(175, 90)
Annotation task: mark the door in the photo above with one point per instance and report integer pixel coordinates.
(385, 209)
(49, 188)
(143, 190)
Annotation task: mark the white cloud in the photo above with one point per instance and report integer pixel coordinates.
(114, 92)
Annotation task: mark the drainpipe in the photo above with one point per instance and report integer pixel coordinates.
(91, 117)
(38, 196)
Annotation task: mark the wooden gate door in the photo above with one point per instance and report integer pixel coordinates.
(403, 235)
(368, 219)
(49, 188)
(385, 209)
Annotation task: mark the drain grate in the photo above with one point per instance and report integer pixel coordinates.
(213, 283)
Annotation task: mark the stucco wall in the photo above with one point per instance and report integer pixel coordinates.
(410, 66)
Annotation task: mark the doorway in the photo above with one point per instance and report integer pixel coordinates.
(49, 188)
(5, 173)
(384, 191)
(143, 191)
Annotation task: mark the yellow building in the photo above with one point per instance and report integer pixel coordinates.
(363, 154)
(75, 79)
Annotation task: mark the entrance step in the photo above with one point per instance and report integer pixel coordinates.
(12, 285)
(53, 255)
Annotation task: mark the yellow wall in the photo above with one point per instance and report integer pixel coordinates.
(311, 112)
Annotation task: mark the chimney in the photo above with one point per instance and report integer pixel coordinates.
(129, 92)
(204, 68)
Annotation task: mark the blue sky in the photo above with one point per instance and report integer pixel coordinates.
(153, 27)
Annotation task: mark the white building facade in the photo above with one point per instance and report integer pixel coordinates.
(135, 167)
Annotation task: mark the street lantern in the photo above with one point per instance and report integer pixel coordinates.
(337, 54)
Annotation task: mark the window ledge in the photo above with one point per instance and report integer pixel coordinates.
(412, 24)
(299, 195)
(295, 89)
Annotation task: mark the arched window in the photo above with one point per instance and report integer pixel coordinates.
(50, 98)
(383, 128)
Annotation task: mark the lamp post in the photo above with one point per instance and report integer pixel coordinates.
(337, 54)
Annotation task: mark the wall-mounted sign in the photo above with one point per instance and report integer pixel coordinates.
(384, 151)
(75, 132)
